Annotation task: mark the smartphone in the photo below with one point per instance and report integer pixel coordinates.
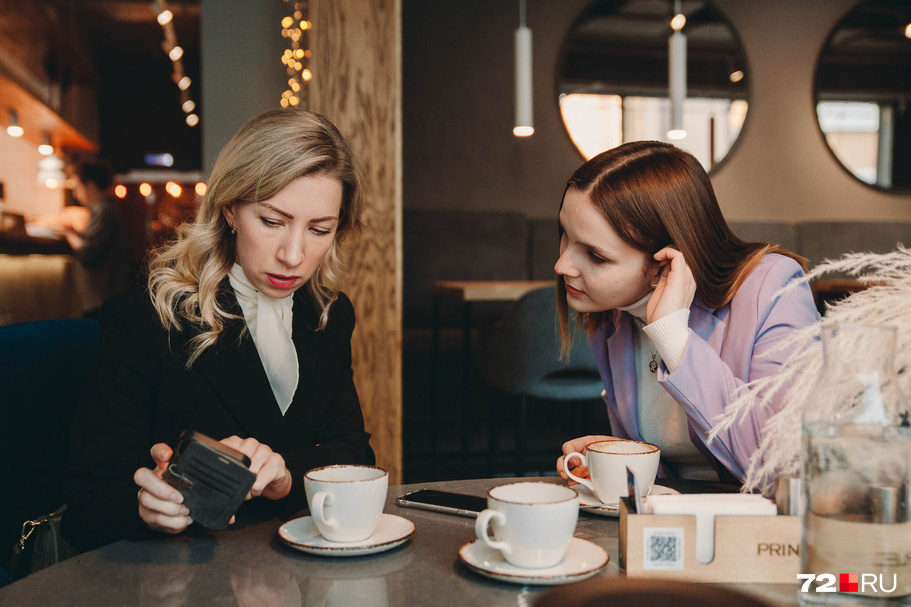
(459, 504)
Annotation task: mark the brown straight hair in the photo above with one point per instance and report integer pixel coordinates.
(656, 195)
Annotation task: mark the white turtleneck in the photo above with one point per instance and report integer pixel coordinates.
(661, 420)
(269, 323)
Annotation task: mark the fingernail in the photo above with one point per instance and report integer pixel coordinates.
(177, 498)
(184, 511)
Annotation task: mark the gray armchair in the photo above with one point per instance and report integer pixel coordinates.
(520, 357)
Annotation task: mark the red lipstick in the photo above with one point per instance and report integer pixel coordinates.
(281, 282)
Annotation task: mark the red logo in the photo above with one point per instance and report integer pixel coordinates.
(847, 582)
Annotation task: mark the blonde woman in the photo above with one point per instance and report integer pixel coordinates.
(242, 334)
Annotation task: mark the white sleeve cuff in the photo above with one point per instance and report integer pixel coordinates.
(669, 335)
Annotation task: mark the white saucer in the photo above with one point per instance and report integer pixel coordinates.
(582, 560)
(391, 531)
(589, 502)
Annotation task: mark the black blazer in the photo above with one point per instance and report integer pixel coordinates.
(143, 394)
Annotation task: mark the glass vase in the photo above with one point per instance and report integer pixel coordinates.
(856, 470)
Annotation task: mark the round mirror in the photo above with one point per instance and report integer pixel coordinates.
(623, 58)
(863, 85)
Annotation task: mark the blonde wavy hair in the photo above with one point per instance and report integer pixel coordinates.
(266, 154)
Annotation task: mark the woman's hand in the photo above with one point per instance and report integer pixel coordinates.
(273, 479)
(676, 286)
(160, 505)
(578, 444)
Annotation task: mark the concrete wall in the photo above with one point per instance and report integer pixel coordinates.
(459, 152)
(19, 173)
(242, 74)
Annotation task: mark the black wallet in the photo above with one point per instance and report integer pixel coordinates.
(213, 478)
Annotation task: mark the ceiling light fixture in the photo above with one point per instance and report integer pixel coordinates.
(46, 149)
(524, 125)
(676, 77)
(14, 130)
(50, 172)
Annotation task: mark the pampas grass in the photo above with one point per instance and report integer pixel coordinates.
(885, 301)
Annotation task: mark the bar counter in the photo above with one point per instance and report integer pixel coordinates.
(252, 565)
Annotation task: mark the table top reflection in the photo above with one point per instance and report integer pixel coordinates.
(251, 565)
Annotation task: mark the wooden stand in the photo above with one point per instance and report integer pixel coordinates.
(748, 549)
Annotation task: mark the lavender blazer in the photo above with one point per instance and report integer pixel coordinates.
(727, 347)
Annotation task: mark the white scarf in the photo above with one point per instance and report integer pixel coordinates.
(269, 322)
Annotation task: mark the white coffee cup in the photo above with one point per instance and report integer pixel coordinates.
(346, 501)
(532, 522)
(607, 462)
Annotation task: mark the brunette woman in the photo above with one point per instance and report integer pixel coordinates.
(679, 311)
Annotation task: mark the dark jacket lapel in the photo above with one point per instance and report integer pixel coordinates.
(236, 373)
(303, 333)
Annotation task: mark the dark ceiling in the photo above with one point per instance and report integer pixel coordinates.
(138, 101)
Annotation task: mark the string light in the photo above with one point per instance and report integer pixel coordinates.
(201, 188)
(295, 28)
(120, 191)
(175, 53)
(145, 189)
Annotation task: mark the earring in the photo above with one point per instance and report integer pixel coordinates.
(654, 285)
(233, 230)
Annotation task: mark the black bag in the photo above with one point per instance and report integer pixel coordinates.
(40, 545)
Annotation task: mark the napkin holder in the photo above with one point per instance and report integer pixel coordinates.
(748, 549)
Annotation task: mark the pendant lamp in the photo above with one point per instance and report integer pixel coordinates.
(524, 126)
(676, 78)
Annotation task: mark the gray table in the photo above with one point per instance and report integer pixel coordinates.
(250, 565)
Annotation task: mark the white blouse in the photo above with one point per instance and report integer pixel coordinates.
(269, 323)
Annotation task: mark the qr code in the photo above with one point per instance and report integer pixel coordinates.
(662, 549)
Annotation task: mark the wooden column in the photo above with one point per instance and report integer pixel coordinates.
(356, 65)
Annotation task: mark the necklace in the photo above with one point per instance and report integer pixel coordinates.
(653, 364)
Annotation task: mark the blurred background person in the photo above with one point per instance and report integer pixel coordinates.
(102, 267)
